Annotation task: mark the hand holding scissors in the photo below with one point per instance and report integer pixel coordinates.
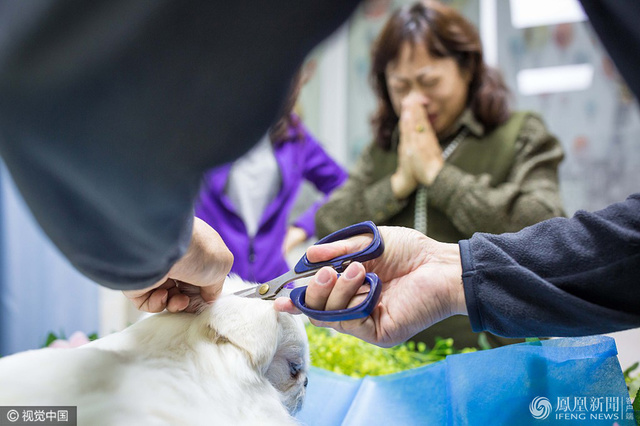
(421, 282)
(278, 286)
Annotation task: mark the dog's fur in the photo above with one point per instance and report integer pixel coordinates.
(237, 362)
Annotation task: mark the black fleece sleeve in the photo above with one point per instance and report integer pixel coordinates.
(561, 277)
(110, 110)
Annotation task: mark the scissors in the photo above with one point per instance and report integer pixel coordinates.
(278, 287)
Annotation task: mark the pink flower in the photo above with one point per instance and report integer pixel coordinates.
(77, 339)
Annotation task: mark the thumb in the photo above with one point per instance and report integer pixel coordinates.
(322, 252)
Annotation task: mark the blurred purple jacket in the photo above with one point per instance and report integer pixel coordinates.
(299, 157)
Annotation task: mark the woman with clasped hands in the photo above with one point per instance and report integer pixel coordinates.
(449, 158)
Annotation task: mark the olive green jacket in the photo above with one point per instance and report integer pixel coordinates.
(496, 182)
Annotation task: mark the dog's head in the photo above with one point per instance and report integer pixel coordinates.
(271, 343)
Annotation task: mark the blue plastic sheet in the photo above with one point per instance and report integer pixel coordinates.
(560, 381)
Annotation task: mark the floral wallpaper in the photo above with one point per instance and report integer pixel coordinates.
(599, 127)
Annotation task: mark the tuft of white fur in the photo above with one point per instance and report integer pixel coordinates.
(237, 362)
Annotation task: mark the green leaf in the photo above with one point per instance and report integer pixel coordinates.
(631, 369)
(633, 382)
(483, 342)
(51, 337)
(636, 405)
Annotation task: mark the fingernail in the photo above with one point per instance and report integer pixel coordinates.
(323, 276)
(164, 298)
(351, 272)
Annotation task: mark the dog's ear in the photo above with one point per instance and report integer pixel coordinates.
(249, 324)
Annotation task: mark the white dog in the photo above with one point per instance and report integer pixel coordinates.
(237, 362)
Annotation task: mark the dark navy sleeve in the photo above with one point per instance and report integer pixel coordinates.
(111, 110)
(561, 277)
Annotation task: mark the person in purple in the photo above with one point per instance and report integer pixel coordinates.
(249, 201)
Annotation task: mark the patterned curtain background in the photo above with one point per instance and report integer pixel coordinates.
(599, 126)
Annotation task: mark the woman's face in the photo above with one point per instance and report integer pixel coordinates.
(443, 87)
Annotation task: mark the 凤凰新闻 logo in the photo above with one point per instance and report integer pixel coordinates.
(540, 408)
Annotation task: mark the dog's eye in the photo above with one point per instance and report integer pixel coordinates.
(294, 368)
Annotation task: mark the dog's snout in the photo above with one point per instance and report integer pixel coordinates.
(306, 381)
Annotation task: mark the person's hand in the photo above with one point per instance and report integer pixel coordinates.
(403, 181)
(294, 237)
(421, 285)
(195, 280)
(421, 146)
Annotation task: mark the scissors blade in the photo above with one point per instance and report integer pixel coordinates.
(248, 292)
(270, 289)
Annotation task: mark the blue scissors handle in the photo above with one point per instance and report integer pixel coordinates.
(363, 310)
(339, 263)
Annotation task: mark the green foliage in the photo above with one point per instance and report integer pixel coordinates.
(636, 407)
(350, 356)
(633, 385)
(51, 337)
(632, 380)
(483, 342)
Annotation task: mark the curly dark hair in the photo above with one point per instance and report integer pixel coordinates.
(445, 33)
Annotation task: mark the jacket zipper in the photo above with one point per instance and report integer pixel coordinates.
(252, 258)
